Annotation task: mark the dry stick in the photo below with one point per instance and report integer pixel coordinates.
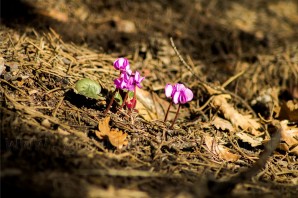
(225, 187)
(205, 83)
(175, 116)
(57, 107)
(171, 103)
(20, 90)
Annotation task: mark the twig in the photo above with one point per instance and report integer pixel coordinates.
(57, 107)
(1, 80)
(231, 79)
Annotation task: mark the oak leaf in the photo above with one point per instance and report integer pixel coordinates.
(245, 122)
(289, 137)
(222, 124)
(116, 137)
(220, 150)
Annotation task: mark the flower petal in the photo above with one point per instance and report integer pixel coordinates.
(179, 87)
(176, 97)
(168, 90)
(189, 95)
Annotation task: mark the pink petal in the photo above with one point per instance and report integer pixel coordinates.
(176, 97)
(189, 95)
(128, 70)
(179, 87)
(168, 90)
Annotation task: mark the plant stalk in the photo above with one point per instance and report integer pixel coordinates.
(111, 102)
(124, 100)
(175, 116)
(171, 103)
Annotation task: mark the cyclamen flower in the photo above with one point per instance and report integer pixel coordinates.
(122, 82)
(122, 64)
(179, 93)
(127, 81)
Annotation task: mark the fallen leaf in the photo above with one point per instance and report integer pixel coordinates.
(222, 124)
(125, 26)
(220, 150)
(289, 111)
(289, 138)
(244, 122)
(116, 137)
(54, 14)
(152, 107)
(253, 141)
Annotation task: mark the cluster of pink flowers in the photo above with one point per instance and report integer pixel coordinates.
(128, 81)
(180, 95)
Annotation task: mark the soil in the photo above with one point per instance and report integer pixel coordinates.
(244, 55)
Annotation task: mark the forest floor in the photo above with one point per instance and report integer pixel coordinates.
(238, 137)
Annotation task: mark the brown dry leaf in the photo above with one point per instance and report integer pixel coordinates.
(222, 124)
(125, 26)
(116, 138)
(220, 150)
(289, 111)
(253, 141)
(244, 122)
(55, 14)
(151, 106)
(289, 135)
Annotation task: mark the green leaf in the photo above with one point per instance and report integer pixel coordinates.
(118, 98)
(130, 94)
(88, 88)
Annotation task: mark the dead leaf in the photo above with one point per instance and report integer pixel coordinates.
(152, 107)
(244, 122)
(220, 150)
(125, 26)
(116, 137)
(289, 138)
(253, 141)
(289, 111)
(104, 127)
(54, 14)
(222, 124)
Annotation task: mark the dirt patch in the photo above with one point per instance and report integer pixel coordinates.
(240, 61)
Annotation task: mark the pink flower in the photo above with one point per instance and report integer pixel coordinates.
(138, 79)
(179, 93)
(134, 80)
(122, 82)
(122, 64)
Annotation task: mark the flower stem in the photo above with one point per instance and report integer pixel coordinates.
(111, 102)
(171, 103)
(175, 116)
(124, 100)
